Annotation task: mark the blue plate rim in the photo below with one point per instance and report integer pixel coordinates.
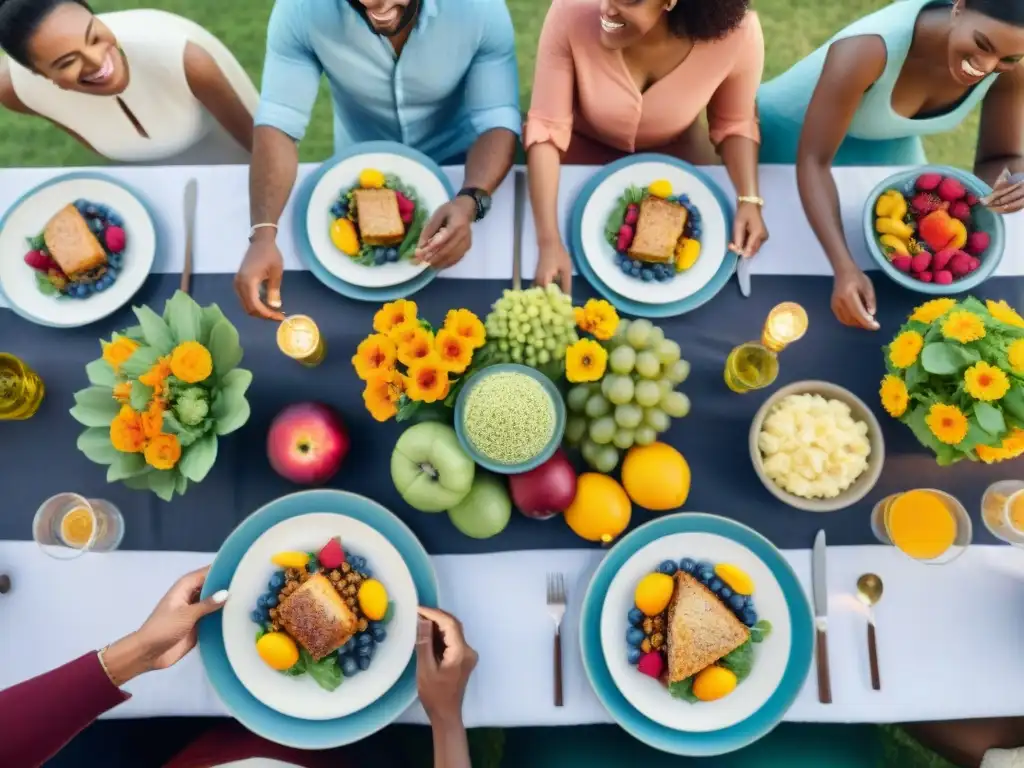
(672, 309)
(131, 190)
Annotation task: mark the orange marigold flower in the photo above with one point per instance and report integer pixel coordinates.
(118, 350)
(454, 350)
(191, 362)
(157, 375)
(374, 354)
(123, 391)
(464, 323)
(382, 393)
(394, 313)
(419, 347)
(126, 433)
(153, 419)
(163, 452)
(427, 381)
(405, 332)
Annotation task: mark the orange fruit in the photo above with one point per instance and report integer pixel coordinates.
(345, 237)
(277, 650)
(714, 683)
(601, 509)
(290, 559)
(373, 599)
(653, 593)
(76, 527)
(735, 578)
(656, 476)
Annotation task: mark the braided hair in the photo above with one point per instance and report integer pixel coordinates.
(710, 19)
(19, 20)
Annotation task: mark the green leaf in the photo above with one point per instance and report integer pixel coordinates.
(156, 332)
(211, 315)
(141, 395)
(198, 459)
(134, 332)
(1013, 402)
(44, 285)
(186, 435)
(162, 483)
(236, 382)
(180, 485)
(916, 375)
(183, 317)
(760, 631)
(224, 347)
(95, 444)
(943, 358)
(944, 454)
(976, 436)
(325, 672)
(95, 407)
(230, 412)
(37, 243)
(407, 408)
(389, 614)
(126, 465)
(299, 667)
(139, 482)
(140, 362)
(740, 661)
(260, 632)
(683, 690)
(990, 418)
(101, 374)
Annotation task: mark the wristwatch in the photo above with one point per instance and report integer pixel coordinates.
(480, 197)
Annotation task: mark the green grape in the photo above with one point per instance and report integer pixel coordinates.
(665, 385)
(589, 450)
(639, 333)
(596, 406)
(543, 357)
(517, 355)
(657, 336)
(667, 351)
(656, 419)
(647, 365)
(678, 371)
(644, 435)
(575, 429)
(533, 311)
(602, 430)
(623, 438)
(619, 337)
(675, 404)
(606, 459)
(622, 359)
(620, 391)
(503, 345)
(576, 398)
(628, 416)
(647, 393)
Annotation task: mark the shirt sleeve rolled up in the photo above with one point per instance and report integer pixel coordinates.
(492, 83)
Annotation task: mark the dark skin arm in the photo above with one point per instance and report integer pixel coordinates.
(739, 155)
(211, 87)
(851, 67)
(447, 236)
(9, 99)
(1001, 141)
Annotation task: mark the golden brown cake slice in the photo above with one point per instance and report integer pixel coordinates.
(658, 230)
(71, 244)
(380, 222)
(701, 630)
(317, 618)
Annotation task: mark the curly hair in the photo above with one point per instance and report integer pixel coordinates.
(1009, 11)
(706, 19)
(19, 20)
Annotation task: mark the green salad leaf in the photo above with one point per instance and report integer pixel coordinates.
(760, 631)
(326, 672)
(740, 661)
(683, 690)
(632, 196)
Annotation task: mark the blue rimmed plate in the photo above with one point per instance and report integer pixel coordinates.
(256, 716)
(29, 216)
(312, 222)
(595, 258)
(715, 730)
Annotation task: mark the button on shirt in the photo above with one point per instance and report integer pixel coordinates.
(455, 79)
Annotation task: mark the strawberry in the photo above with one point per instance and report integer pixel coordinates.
(632, 214)
(960, 210)
(960, 264)
(924, 277)
(921, 262)
(651, 664)
(972, 200)
(941, 259)
(951, 190)
(332, 555)
(975, 263)
(977, 242)
(927, 182)
(39, 260)
(924, 203)
(943, 277)
(625, 238)
(902, 263)
(404, 203)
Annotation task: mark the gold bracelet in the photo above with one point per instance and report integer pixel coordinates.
(103, 663)
(753, 199)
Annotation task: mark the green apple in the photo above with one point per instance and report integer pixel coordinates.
(429, 467)
(485, 511)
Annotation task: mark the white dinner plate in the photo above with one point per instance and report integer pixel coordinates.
(431, 194)
(29, 216)
(601, 256)
(300, 696)
(649, 696)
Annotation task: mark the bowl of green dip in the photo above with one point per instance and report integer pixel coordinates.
(510, 418)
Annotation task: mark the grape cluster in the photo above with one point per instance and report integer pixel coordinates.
(634, 401)
(532, 326)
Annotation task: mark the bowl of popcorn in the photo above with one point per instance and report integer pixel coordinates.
(816, 446)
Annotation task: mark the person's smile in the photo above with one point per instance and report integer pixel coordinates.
(103, 74)
(610, 26)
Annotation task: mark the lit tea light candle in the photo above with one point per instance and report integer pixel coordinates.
(786, 323)
(299, 338)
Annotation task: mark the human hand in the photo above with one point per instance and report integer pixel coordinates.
(448, 235)
(853, 299)
(554, 266)
(442, 681)
(262, 264)
(1007, 194)
(748, 231)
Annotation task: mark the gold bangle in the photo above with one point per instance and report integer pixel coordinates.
(754, 199)
(103, 663)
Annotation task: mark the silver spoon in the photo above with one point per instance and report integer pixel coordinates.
(869, 591)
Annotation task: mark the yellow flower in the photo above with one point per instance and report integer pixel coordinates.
(405, 332)
(427, 381)
(454, 350)
(126, 433)
(421, 345)
(986, 382)
(382, 393)
(191, 362)
(905, 348)
(394, 313)
(153, 419)
(163, 452)
(374, 354)
(157, 375)
(464, 323)
(123, 391)
(585, 361)
(932, 310)
(1011, 447)
(963, 326)
(1004, 313)
(895, 397)
(117, 351)
(947, 423)
(598, 318)
(1015, 354)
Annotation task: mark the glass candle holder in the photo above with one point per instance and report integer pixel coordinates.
(755, 364)
(67, 526)
(299, 338)
(21, 389)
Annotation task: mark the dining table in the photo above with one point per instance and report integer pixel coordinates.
(948, 636)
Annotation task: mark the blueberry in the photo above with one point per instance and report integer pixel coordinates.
(261, 601)
(634, 271)
(661, 276)
(637, 264)
(102, 284)
(349, 667)
(392, 254)
(364, 663)
(112, 273)
(96, 226)
(337, 211)
(737, 603)
(705, 575)
(114, 220)
(706, 565)
(684, 199)
(89, 288)
(687, 565)
(715, 585)
(366, 573)
(271, 601)
(365, 651)
(277, 580)
(81, 291)
(696, 233)
(256, 616)
(81, 204)
(116, 260)
(633, 655)
(379, 258)
(725, 593)
(634, 636)
(89, 209)
(364, 639)
(749, 617)
(379, 634)
(646, 275)
(668, 568)
(635, 617)
(264, 615)
(624, 266)
(356, 561)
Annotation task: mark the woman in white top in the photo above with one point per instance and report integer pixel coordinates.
(140, 86)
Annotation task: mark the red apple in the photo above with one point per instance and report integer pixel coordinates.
(545, 491)
(307, 443)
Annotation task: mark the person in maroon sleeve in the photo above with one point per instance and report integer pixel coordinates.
(39, 719)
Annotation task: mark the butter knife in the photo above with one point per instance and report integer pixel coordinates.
(819, 588)
(518, 212)
(743, 276)
(191, 193)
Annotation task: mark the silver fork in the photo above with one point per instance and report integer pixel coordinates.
(556, 607)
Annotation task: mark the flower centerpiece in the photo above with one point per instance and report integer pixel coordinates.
(161, 395)
(408, 365)
(956, 378)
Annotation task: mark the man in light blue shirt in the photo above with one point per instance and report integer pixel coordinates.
(437, 75)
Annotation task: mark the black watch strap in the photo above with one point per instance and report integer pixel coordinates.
(480, 198)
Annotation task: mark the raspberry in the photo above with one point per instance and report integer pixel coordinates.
(960, 210)
(951, 190)
(941, 259)
(921, 262)
(625, 238)
(902, 263)
(972, 200)
(39, 260)
(975, 263)
(115, 239)
(960, 264)
(632, 214)
(927, 182)
(404, 203)
(651, 664)
(977, 242)
(924, 277)
(944, 277)
(924, 203)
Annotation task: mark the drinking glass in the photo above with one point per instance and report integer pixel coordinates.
(21, 389)
(881, 526)
(68, 525)
(1002, 510)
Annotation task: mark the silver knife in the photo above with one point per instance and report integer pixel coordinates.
(743, 276)
(518, 211)
(819, 588)
(191, 193)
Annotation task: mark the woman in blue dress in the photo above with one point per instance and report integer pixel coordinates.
(868, 95)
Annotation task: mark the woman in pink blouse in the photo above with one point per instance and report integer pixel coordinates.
(615, 77)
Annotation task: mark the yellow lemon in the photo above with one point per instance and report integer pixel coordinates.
(656, 476)
(687, 253)
(344, 237)
(290, 559)
(736, 578)
(660, 188)
(714, 683)
(653, 593)
(278, 651)
(373, 599)
(600, 510)
(371, 178)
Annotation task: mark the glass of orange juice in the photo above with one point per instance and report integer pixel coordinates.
(928, 525)
(68, 525)
(1002, 509)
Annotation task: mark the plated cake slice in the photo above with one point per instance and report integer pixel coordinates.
(71, 244)
(658, 230)
(378, 216)
(317, 618)
(701, 630)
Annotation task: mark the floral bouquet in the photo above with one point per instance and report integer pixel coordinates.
(406, 364)
(956, 378)
(586, 359)
(161, 395)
